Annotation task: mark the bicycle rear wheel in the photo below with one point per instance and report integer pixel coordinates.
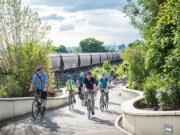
(35, 109)
(102, 103)
(71, 103)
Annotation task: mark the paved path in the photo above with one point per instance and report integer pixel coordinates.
(61, 121)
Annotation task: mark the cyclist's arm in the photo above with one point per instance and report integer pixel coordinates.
(95, 87)
(46, 83)
(84, 87)
(77, 83)
(32, 83)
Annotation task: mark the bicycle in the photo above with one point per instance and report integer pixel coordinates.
(71, 100)
(81, 96)
(37, 109)
(89, 103)
(104, 100)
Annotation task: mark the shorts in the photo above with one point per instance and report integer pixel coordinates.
(43, 94)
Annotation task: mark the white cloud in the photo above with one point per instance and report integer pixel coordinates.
(108, 25)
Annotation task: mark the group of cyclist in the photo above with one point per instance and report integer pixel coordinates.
(85, 83)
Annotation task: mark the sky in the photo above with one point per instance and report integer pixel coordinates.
(74, 20)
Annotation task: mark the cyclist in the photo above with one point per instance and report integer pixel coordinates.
(40, 82)
(71, 86)
(89, 85)
(103, 85)
(79, 84)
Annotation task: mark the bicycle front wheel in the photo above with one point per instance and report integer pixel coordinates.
(101, 104)
(89, 109)
(35, 109)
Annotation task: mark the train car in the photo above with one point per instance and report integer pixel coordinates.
(115, 57)
(95, 58)
(110, 57)
(70, 61)
(84, 59)
(56, 62)
(104, 56)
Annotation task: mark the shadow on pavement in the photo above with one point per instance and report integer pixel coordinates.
(113, 112)
(79, 111)
(101, 121)
(57, 113)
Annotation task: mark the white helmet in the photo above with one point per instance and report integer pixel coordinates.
(82, 74)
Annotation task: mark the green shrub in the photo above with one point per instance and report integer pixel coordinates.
(106, 66)
(164, 99)
(150, 91)
(169, 96)
(10, 88)
(134, 57)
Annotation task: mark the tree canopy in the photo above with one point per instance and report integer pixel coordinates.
(22, 47)
(159, 23)
(60, 49)
(92, 45)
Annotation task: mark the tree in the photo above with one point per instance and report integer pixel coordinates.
(107, 66)
(92, 45)
(21, 46)
(61, 49)
(143, 14)
(159, 22)
(134, 57)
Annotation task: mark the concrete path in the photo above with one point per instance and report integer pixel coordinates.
(62, 121)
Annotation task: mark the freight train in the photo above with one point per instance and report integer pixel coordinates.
(70, 61)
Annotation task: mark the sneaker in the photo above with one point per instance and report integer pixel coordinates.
(93, 113)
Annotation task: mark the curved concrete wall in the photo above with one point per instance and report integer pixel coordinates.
(13, 107)
(147, 122)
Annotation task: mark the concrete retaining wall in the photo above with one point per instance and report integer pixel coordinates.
(13, 107)
(147, 122)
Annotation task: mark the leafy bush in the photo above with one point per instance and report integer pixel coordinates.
(150, 90)
(9, 87)
(107, 66)
(122, 72)
(164, 99)
(169, 95)
(134, 57)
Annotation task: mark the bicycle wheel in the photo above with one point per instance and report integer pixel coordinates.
(70, 102)
(35, 109)
(102, 103)
(106, 103)
(89, 109)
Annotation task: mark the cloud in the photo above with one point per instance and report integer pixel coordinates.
(103, 21)
(66, 28)
(82, 5)
(53, 17)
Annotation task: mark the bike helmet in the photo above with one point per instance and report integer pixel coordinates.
(103, 73)
(39, 68)
(82, 74)
(89, 73)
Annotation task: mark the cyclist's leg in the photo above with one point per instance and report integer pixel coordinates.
(44, 100)
(86, 97)
(93, 102)
(107, 95)
(73, 94)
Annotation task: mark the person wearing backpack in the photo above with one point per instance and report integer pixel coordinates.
(40, 83)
